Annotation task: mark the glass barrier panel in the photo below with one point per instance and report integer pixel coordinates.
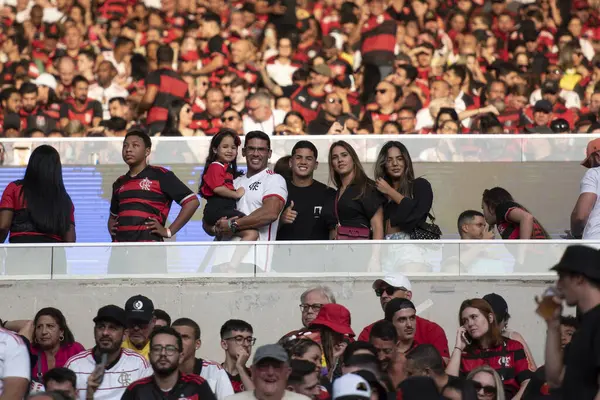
(18, 262)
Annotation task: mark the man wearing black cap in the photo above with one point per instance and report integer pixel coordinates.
(140, 323)
(270, 372)
(550, 92)
(577, 371)
(307, 99)
(106, 370)
(403, 314)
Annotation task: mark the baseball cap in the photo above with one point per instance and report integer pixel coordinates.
(543, 105)
(139, 308)
(45, 79)
(321, 69)
(583, 260)
(550, 86)
(592, 147)
(336, 317)
(395, 280)
(351, 386)
(270, 351)
(111, 313)
(499, 306)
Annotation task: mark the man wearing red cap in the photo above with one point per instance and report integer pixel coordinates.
(426, 332)
(585, 218)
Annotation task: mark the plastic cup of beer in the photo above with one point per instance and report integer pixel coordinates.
(547, 305)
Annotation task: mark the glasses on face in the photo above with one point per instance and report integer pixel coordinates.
(228, 119)
(390, 290)
(311, 307)
(169, 349)
(381, 91)
(243, 340)
(489, 390)
(339, 101)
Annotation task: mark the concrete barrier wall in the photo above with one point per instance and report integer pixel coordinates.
(270, 305)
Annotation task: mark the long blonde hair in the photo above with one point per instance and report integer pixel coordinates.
(497, 380)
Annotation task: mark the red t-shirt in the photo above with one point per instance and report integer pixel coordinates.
(427, 332)
(216, 175)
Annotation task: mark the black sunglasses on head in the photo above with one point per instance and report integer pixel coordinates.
(390, 290)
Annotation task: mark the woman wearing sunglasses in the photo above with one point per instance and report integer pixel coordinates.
(488, 383)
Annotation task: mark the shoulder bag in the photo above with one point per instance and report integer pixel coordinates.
(426, 230)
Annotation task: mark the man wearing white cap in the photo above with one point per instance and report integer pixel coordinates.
(47, 98)
(427, 332)
(351, 387)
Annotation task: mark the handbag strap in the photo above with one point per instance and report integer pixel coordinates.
(335, 209)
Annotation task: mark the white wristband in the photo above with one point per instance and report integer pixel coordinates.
(169, 233)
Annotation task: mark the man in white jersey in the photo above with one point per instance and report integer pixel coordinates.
(585, 218)
(123, 366)
(15, 368)
(264, 198)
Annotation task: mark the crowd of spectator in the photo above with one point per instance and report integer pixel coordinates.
(139, 352)
(292, 67)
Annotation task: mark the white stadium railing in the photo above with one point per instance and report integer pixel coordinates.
(423, 148)
(489, 258)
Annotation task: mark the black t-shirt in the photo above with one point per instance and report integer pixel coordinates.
(582, 359)
(356, 210)
(311, 203)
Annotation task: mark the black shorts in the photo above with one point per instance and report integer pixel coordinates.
(218, 207)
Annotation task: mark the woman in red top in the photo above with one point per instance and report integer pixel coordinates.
(479, 342)
(51, 341)
(37, 208)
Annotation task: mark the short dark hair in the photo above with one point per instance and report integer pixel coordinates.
(569, 320)
(190, 323)
(164, 54)
(427, 356)
(411, 71)
(409, 109)
(60, 375)
(300, 369)
(89, 54)
(396, 305)
(211, 17)
(122, 41)
(235, 325)
(80, 78)
(257, 135)
(356, 346)
(167, 330)
(141, 134)
(459, 70)
(305, 144)
(384, 330)
(162, 314)
(467, 216)
(237, 81)
(27, 88)
(121, 100)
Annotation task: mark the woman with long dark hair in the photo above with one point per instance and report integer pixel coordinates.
(479, 342)
(512, 220)
(179, 119)
(37, 208)
(51, 341)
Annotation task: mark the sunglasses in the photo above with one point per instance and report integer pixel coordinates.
(339, 101)
(390, 290)
(489, 390)
(225, 119)
(381, 91)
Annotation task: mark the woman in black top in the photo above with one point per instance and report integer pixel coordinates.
(409, 200)
(357, 202)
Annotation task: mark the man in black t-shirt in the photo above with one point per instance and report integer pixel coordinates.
(576, 369)
(303, 218)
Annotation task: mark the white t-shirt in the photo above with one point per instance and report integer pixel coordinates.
(217, 379)
(249, 395)
(268, 126)
(104, 96)
(14, 357)
(129, 368)
(591, 184)
(258, 187)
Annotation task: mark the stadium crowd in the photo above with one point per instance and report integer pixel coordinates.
(292, 67)
(141, 353)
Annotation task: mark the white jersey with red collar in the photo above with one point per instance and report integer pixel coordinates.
(14, 357)
(129, 368)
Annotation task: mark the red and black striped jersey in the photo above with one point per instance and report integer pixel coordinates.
(188, 386)
(147, 195)
(306, 103)
(378, 40)
(236, 381)
(249, 74)
(509, 360)
(170, 87)
(216, 45)
(52, 110)
(207, 123)
(22, 228)
(86, 114)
